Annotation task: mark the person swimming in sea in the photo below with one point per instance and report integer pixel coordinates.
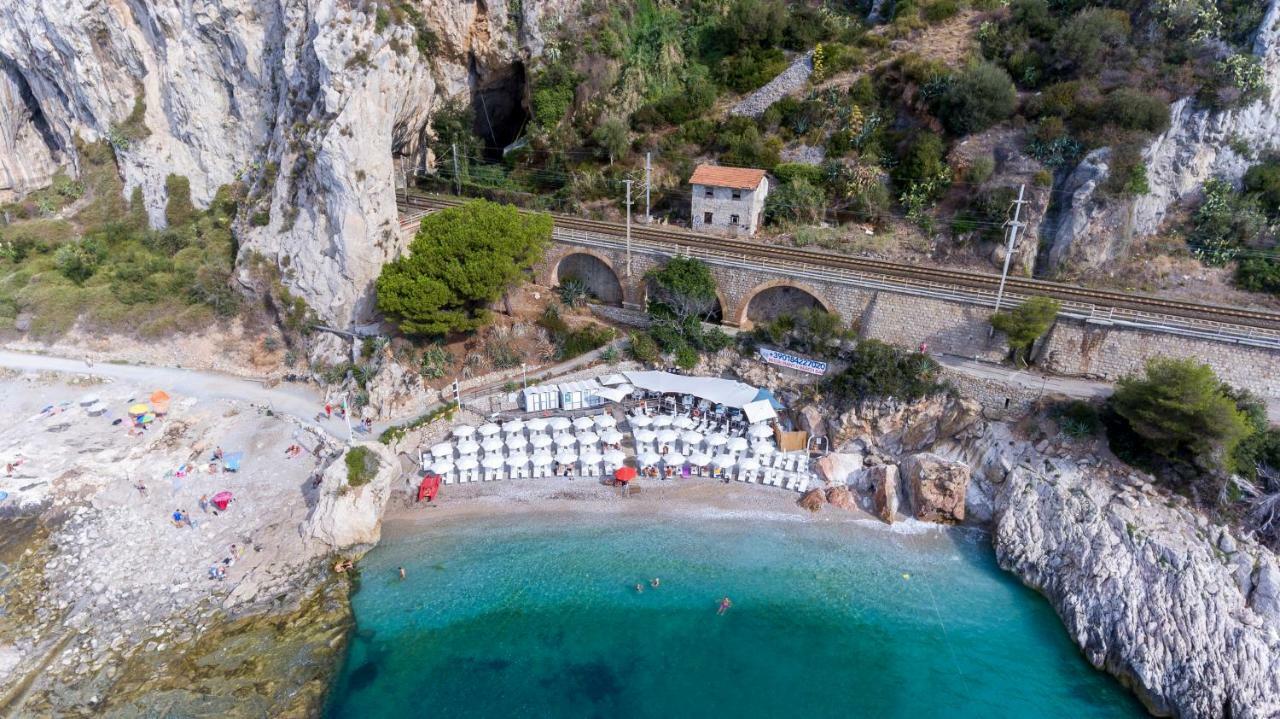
(402, 573)
(639, 588)
(654, 583)
(724, 606)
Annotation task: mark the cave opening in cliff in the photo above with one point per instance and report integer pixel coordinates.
(500, 111)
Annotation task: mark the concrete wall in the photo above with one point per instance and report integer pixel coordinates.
(1072, 348)
(722, 206)
(1080, 349)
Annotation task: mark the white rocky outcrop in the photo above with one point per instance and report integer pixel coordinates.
(1180, 610)
(345, 516)
(307, 101)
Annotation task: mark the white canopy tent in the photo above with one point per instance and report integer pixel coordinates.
(759, 411)
(713, 389)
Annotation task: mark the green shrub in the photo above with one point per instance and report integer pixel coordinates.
(1263, 181)
(1223, 223)
(1091, 39)
(643, 348)
(877, 370)
(788, 171)
(940, 10)
(796, 201)
(77, 261)
(686, 357)
(978, 97)
(1259, 274)
(981, 169)
(1025, 324)
(1135, 110)
(362, 466)
(1180, 412)
(1078, 419)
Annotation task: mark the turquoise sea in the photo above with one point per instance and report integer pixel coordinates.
(537, 616)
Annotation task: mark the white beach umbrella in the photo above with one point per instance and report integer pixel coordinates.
(749, 464)
(645, 435)
(467, 463)
(463, 431)
(493, 461)
(517, 442)
(662, 420)
(565, 439)
(537, 424)
(515, 426)
(492, 444)
(489, 429)
(691, 437)
(683, 422)
(700, 459)
(541, 459)
(442, 467)
(761, 430)
(591, 456)
(611, 436)
(648, 458)
(673, 459)
(585, 438)
(443, 449)
(639, 420)
(724, 461)
(583, 423)
(468, 446)
(559, 424)
(540, 440)
(518, 459)
(716, 439)
(737, 444)
(668, 436)
(566, 456)
(605, 421)
(763, 448)
(615, 458)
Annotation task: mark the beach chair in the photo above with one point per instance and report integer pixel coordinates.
(803, 485)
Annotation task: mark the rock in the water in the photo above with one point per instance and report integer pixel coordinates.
(840, 497)
(346, 516)
(884, 480)
(836, 468)
(812, 500)
(811, 421)
(936, 487)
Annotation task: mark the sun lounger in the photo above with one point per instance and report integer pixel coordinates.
(803, 485)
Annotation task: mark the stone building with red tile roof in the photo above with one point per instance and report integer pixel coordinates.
(728, 200)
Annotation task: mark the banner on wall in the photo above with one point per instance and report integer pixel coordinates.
(801, 364)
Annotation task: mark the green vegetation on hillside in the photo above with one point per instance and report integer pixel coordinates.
(1025, 324)
(880, 371)
(100, 265)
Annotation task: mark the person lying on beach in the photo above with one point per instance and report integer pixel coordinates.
(178, 518)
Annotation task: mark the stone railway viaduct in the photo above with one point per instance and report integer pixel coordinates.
(1080, 344)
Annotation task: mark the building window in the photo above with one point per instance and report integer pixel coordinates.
(733, 219)
(706, 218)
(737, 194)
(709, 193)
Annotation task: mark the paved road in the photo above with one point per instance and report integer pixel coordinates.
(1069, 386)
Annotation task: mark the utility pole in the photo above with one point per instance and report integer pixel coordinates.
(628, 183)
(1014, 226)
(648, 170)
(457, 177)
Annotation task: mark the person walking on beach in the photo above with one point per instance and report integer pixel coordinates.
(724, 606)
(328, 410)
(204, 504)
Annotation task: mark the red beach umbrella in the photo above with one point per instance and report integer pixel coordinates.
(221, 500)
(624, 474)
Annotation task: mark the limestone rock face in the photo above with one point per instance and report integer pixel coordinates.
(936, 487)
(811, 421)
(899, 427)
(838, 467)
(1090, 230)
(344, 516)
(1141, 582)
(394, 390)
(307, 102)
(812, 500)
(884, 481)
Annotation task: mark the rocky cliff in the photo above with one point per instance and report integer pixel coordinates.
(309, 102)
(1090, 230)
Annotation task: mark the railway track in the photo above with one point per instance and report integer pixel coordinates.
(648, 237)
